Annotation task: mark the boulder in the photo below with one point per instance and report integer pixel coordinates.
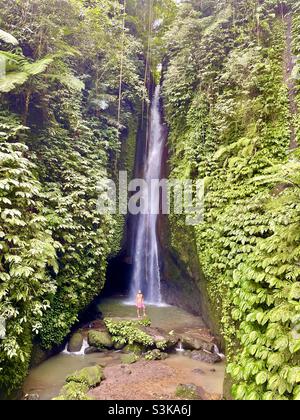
(91, 350)
(196, 340)
(73, 391)
(119, 346)
(100, 339)
(137, 349)
(205, 356)
(129, 359)
(75, 343)
(194, 392)
(89, 376)
(162, 340)
(198, 371)
(188, 392)
(156, 354)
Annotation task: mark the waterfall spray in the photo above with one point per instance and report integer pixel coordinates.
(146, 266)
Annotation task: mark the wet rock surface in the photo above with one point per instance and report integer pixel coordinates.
(100, 339)
(75, 342)
(205, 356)
(151, 380)
(197, 339)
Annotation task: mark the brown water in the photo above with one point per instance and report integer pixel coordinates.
(47, 379)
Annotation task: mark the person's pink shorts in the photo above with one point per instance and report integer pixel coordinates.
(140, 306)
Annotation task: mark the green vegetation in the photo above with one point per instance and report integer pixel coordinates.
(90, 376)
(73, 391)
(79, 383)
(60, 136)
(100, 339)
(73, 92)
(233, 117)
(129, 332)
(129, 359)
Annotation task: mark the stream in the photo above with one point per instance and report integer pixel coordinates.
(47, 379)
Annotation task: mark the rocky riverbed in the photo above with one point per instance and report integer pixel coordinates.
(171, 356)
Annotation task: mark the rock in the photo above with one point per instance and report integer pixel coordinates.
(119, 346)
(75, 343)
(137, 349)
(90, 376)
(198, 371)
(194, 392)
(187, 353)
(156, 355)
(206, 357)
(161, 339)
(100, 339)
(31, 397)
(196, 340)
(188, 392)
(91, 350)
(129, 359)
(74, 391)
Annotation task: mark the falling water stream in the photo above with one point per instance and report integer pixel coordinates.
(47, 379)
(146, 267)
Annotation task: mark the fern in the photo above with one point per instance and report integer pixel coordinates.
(8, 38)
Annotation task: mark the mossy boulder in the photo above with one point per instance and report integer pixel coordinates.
(74, 391)
(89, 376)
(75, 343)
(100, 339)
(188, 392)
(129, 359)
(135, 348)
(156, 354)
(119, 346)
(161, 339)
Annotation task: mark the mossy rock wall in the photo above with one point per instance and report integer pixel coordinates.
(184, 284)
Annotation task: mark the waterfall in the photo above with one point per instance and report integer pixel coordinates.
(81, 352)
(146, 267)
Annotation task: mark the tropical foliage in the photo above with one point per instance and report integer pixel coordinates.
(60, 135)
(232, 107)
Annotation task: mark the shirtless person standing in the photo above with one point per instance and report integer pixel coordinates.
(140, 304)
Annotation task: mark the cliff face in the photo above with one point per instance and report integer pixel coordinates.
(64, 129)
(231, 96)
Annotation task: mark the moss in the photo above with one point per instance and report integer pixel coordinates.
(156, 355)
(89, 376)
(187, 392)
(129, 359)
(134, 348)
(74, 391)
(75, 342)
(100, 339)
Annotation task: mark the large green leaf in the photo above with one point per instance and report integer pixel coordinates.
(11, 80)
(38, 67)
(8, 38)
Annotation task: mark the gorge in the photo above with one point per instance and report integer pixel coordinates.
(81, 99)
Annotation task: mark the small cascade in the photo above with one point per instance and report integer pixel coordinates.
(81, 352)
(179, 348)
(217, 351)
